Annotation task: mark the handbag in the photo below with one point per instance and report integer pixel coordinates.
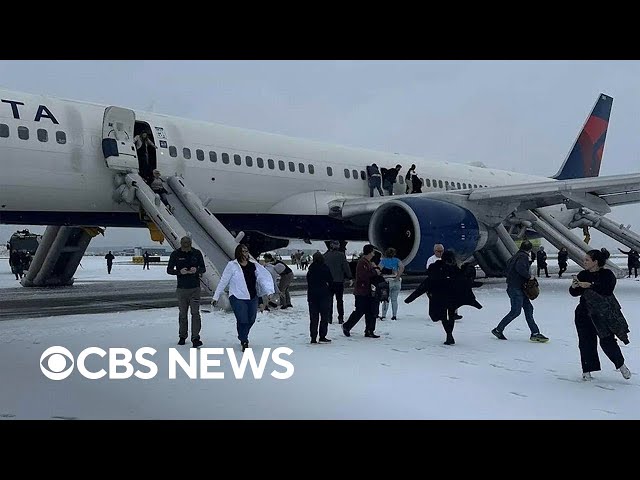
(531, 288)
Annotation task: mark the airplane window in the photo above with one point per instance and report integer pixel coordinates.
(458, 184)
(439, 183)
(312, 169)
(427, 181)
(281, 165)
(186, 153)
(301, 167)
(446, 185)
(347, 174)
(200, 155)
(4, 130)
(329, 172)
(225, 158)
(355, 174)
(237, 160)
(213, 157)
(363, 175)
(464, 185)
(475, 186)
(173, 151)
(292, 167)
(43, 135)
(249, 161)
(260, 162)
(271, 164)
(23, 133)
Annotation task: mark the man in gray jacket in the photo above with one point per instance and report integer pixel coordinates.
(518, 273)
(338, 265)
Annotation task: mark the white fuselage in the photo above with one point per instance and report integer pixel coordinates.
(49, 176)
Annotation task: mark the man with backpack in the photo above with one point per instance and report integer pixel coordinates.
(517, 274)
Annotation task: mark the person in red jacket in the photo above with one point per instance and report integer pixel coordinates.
(365, 302)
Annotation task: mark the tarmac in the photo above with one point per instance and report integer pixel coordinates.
(92, 297)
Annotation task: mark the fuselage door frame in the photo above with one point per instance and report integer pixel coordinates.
(117, 139)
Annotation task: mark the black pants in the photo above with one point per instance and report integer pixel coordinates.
(146, 264)
(546, 272)
(109, 265)
(364, 306)
(338, 291)
(319, 309)
(449, 322)
(563, 268)
(588, 345)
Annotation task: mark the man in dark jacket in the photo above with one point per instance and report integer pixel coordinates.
(109, 258)
(365, 271)
(389, 178)
(188, 264)
(633, 261)
(319, 283)
(563, 255)
(518, 273)
(338, 265)
(541, 258)
(375, 179)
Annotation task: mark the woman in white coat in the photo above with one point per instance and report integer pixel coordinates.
(247, 281)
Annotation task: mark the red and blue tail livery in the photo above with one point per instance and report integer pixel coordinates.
(586, 155)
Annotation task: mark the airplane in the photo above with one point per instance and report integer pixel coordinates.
(72, 163)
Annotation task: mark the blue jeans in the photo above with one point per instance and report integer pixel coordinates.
(519, 302)
(245, 312)
(394, 289)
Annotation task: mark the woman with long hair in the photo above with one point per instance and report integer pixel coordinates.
(392, 269)
(247, 281)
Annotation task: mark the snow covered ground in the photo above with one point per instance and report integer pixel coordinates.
(406, 374)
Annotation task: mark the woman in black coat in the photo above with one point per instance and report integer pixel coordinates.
(448, 290)
(598, 315)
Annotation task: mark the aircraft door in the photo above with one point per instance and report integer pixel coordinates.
(117, 139)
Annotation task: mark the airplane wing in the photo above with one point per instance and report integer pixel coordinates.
(595, 193)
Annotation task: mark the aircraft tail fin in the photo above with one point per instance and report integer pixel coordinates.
(586, 155)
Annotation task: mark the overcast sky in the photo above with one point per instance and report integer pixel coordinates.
(514, 115)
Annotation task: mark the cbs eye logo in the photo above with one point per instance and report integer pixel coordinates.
(55, 367)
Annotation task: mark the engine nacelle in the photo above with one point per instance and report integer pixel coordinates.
(413, 225)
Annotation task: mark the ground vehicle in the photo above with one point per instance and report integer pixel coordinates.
(24, 241)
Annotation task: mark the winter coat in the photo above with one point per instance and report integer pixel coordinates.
(338, 265)
(319, 283)
(541, 257)
(448, 288)
(233, 277)
(562, 258)
(600, 305)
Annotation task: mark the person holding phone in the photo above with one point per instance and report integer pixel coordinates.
(187, 264)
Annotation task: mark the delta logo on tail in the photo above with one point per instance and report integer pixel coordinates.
(586, 155)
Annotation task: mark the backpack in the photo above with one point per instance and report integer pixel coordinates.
(381, 293)
(531, 288)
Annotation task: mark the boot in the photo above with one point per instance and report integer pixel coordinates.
(448, 328)
(626, 373)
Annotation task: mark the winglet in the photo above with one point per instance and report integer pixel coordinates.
(586, 155)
